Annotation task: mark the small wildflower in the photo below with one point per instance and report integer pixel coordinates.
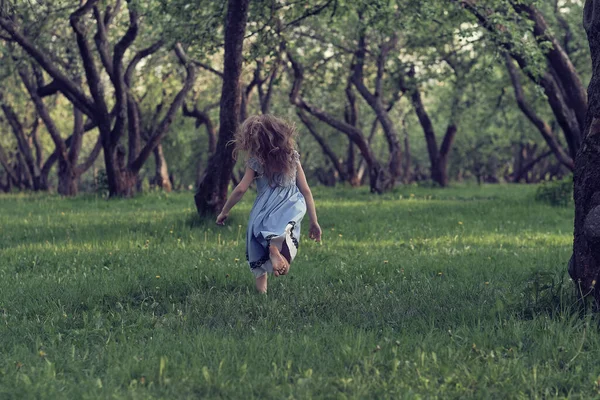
(236, 259)
(412, 195)
(211, 259)
(377, 348)
(340, 235)
(226, 275)
(171, 231)
(64, 315)
(19, 365)
(143, 380)
(42, 353)
(385, 261)
(157, 276)
(487, 283)
(62, 213)
(440, 273)
(460, 222)
(333, 229)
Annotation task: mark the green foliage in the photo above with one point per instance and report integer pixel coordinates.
(101, 183)
(556, 192)
(419, 293)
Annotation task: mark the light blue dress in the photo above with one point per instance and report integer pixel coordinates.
(275, 217)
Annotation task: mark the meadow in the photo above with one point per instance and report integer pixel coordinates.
(419, 293)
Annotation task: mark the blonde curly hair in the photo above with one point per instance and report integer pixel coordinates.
(271, 140)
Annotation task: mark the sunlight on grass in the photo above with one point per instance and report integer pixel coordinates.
(460, 287)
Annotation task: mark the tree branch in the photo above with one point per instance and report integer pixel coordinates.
(69, 89)
(324, 146)
(530, 113)
(208, 68)
(139, 56)
(163, 127)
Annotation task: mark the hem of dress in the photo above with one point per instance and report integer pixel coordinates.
(263, 265)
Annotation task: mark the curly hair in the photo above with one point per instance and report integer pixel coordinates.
(269, 139)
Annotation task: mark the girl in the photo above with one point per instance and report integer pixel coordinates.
(282, 200)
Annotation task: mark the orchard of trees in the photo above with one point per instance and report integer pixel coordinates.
(113, 95)
(116, 95)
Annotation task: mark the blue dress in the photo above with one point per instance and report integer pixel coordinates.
(275, 217)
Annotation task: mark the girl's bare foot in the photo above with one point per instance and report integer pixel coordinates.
(261, 283)
(280, 264)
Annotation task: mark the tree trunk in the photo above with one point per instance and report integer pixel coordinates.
(375, 102)
(378, 177)
(440, 174)
(351, 116)
(584, 266)
(407, 171)
(67, 179)
(438, 158)
(161, 177)
(212, 191)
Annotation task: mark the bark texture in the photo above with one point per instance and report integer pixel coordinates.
(212, 191)
(584, 266)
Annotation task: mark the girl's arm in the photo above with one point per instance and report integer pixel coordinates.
(315, 230)
(236, 195)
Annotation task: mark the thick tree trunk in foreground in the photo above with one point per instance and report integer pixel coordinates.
(584, 266)
(212, 191)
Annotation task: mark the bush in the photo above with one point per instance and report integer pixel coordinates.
(556, 193)
(102, 183)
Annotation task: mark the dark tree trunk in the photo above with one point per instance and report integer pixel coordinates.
(212, 191)
(584, 266)
(540, 124)
(161, 175)
(441, 173)
(31, 170)
(351, 116)
(374, 100)
(5, 162)
(67, 179)
(407, 170)
(438, 158)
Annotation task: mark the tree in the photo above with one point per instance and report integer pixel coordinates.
(557, 75)
(112, 124)
(584, 266)
(212, 191)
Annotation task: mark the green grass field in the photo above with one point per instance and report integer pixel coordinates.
(420, 293)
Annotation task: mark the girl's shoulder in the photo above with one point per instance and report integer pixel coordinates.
(254, 164)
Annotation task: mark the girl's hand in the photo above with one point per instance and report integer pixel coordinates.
(221, 218)
(314, 232)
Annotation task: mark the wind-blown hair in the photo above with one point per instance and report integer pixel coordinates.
(269, 139)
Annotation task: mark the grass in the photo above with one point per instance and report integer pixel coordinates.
(420, 293)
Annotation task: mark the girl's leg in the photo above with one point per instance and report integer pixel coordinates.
(261, 283)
